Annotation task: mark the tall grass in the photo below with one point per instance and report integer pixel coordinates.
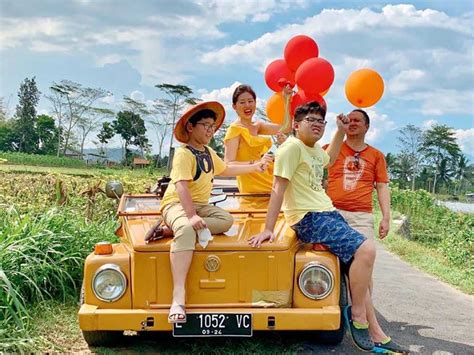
(450, 233)
(41, 257)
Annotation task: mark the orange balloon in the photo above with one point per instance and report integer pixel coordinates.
(364, 87)
(276, 108)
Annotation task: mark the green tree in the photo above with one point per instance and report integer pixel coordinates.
(411, 144)
(47, 134)
(71, 101)
(403, 169)
(90, 121)
(180, 95)
(131, 127)
(439, 143)
(462, 171)
(3, 111)
(25, 117)
(105, 135)
(217, 141)
(391, 161)
(8, 137)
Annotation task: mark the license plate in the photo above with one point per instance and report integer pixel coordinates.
(214, 325)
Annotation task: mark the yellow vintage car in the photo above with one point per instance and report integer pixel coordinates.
(233, 289)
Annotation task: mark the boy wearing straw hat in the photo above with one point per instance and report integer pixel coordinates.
(185, 206)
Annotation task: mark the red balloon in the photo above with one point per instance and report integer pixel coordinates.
(275, 72)
(301, 98)
(315, 75)
(298, 50)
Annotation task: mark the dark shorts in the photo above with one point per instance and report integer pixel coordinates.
(330, 229)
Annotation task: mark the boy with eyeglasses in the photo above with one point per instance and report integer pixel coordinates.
(297, 188)
(185, 207)
(357, 171)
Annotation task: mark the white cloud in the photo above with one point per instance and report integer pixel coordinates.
(13, 31)
(465, 138)
(137, 96)
(396, 18)
(407, 80)
(428, 124)
(108, 59)
(440, 101)
(109, 99)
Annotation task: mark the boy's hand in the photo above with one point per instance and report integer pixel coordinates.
(342, 122)
(257, 240)
(197, 222)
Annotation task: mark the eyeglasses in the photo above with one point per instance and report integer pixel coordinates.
(312, 119)
(208, 126)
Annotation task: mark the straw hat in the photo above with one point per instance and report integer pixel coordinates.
(180, 130)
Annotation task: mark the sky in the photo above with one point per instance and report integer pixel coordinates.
(422, 49)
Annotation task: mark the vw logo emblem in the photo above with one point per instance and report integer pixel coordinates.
(212, 263)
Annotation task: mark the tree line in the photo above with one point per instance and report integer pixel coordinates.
(78, 113)
(431, 160)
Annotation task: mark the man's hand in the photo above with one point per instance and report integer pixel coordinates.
(342, 122)
(257, 240)
(384, 227)
(197, 222)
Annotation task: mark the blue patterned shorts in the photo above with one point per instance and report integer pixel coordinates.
(330, 229)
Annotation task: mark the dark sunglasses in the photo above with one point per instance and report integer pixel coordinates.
(356, 159)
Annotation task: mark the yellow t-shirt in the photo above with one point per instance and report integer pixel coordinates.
(303, 166)
(184, 168)
(251, 148)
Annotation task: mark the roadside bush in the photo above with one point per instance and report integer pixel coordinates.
(41, 160)
(436, 226)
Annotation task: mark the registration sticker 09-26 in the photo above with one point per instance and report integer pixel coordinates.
(214, 325)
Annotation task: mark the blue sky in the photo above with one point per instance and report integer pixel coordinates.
(422, 49)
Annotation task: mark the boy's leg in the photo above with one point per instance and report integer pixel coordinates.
(181, 255)
(363, 222)
(217, 219)
(360, 274)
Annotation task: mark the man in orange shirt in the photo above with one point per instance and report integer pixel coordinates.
(359, 169)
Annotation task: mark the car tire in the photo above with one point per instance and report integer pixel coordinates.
(336, 336)
(100, 337)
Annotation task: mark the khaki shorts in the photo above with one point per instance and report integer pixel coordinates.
(363, 222)
(217, 220)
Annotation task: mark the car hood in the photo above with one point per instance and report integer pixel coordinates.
(235, 239)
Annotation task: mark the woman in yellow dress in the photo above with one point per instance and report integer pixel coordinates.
(247, 141)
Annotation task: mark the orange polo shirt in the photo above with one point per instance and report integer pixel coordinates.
(352, 178)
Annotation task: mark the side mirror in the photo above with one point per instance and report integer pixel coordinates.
(114, 189)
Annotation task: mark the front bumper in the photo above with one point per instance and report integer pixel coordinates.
(91, 318)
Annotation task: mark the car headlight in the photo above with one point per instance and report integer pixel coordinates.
(315, 281)
(109, 283)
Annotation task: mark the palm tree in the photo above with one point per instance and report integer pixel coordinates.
(461, 170)
(439, 143)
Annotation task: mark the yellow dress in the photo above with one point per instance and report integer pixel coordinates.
(251, 148)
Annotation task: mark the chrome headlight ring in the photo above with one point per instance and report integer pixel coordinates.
(109, 283)
(315, 281)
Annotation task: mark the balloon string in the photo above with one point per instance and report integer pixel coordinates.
(286, 127)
